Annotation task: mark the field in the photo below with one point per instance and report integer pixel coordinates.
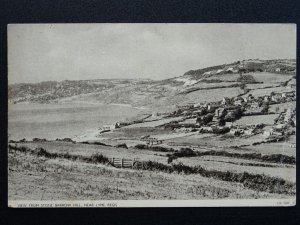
(268, 91)
(271, 77)
(57, 151)
(64, 179)
(277, 108)
(266, 119)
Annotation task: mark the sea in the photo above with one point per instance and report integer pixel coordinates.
(68, 120)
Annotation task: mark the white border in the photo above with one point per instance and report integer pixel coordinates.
(151, 203)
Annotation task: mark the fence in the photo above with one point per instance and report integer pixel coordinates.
(125, 163)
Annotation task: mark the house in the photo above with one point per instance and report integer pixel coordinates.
(292, 83)
(267, 98)
(238, 102)
(107, 128)
(225, 101)
(207, 73)
(152, 141)
(254, 105)
(249, 131)
(220, 112)
(288, 115)
(211, 107)
(197, 105)
(276, 98)
(230, 70)
(268, 133)
(277, 70)
(250, 97)
(236, 132)
(229, 124)
(219, 71)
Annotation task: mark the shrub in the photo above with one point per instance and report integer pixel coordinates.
(185, 152)
(123, 145)
(141, 146)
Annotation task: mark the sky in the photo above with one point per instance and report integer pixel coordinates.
(42, 52)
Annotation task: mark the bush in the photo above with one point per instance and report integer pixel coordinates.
(39, 139)
(123, 145)
(185, 152)
(141, 146)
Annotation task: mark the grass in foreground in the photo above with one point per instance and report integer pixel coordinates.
(257, 182)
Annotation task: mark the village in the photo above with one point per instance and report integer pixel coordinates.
(263, 115)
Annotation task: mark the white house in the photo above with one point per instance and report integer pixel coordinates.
(225, 101)
(109, 127)
(268, 133)
(219, 71)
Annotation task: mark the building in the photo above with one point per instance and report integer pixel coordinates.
(197, 105)
(268, 133)
(219, 71)
(254, 105)
(211, 107)
(250, 98)
(152, 141)
(276, 98)
(107, 128)
(229, 124)
(288, 115)
(249, 131)
(225, 101)
(267, 98)
(220, 112)
(229, 70)
(277, 70)
(236, 132)
(238, 102)
(207, 73)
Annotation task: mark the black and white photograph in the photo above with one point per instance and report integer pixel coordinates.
(151, 114)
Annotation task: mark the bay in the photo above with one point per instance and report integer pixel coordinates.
(69, 120)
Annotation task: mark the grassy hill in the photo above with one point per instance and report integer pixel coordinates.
(193, 86)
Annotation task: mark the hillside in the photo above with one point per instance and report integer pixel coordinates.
(194, 86)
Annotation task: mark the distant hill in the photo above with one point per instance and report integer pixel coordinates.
(205, 84)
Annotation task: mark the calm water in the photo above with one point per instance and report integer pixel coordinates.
(53, 121)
